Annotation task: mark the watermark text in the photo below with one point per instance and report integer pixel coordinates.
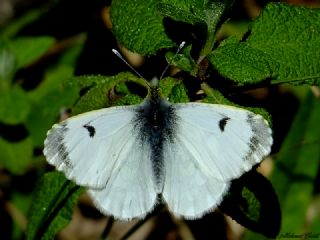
(307, 235)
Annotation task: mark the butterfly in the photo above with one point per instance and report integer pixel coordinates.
(130, 158)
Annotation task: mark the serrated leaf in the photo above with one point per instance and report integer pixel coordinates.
(52, 207)
(145, 34)
(16, 157)
(29, 49)
(14, 106)
(240, 62)
(179, 11)
(193, 11)
(96, 96)
(98, 89)
(286, 34)
(7, 65)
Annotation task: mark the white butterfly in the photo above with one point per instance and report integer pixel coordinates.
(130, 157)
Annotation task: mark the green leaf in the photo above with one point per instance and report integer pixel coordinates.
(174, 90)
(194, 11)
(14, 106)
(48, 99)
(297, 166)
(138, 26)
(252, 202)
(181, 10)
(128, 99)
(233, 28)
(29, 49)
(100, 92)
(241, 62)
(7, 65)
(16, 157)
(184, 61)
(166, 85)
(52, 207)
(281, 45)
(252, 211)
(214, 96)
(197, 12)
(179, 94)
(53, 80)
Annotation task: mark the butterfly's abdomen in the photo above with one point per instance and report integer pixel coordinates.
(155, 123)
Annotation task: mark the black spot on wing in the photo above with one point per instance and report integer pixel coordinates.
(91, 130)
(223, 123)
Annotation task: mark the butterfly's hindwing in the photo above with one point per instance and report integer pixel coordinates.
(130, 191)
(189, 190)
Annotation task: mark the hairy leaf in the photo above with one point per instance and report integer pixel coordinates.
(281, 46)
(138, 26)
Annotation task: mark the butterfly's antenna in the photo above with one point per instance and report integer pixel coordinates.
(168, 65)
(128, 64)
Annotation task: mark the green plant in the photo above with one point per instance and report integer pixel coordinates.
(280, 46)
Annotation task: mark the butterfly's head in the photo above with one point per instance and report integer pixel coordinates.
(154, 90)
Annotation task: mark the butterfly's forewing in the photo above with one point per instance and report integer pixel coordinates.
(189, 189)
(230, 139)
(214, 144)
(85, 147)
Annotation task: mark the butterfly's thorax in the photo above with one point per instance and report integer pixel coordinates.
(155, 121)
